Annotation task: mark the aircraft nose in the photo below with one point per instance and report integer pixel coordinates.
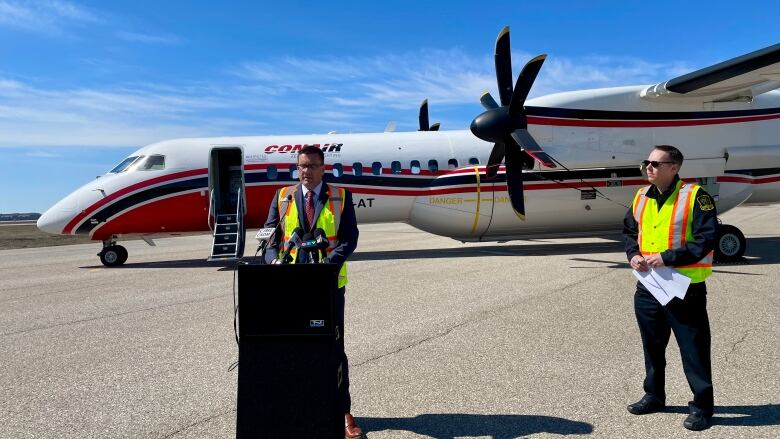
(52, 222)
(57, 217)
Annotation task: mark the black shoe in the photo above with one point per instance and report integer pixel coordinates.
(697, 421)
(648, 404)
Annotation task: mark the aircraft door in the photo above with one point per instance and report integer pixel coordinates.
(226, 179)
(227, 200)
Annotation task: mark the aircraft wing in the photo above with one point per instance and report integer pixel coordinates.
(738, 79)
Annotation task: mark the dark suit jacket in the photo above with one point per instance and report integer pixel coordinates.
(347, 234)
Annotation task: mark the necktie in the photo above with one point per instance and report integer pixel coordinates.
(310, 209)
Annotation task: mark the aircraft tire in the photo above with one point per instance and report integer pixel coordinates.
(113, 256)
(730, 245)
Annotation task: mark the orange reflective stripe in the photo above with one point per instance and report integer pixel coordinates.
(704, 262)
(336, 206)
(640, 202)
(678, 224)
(688, 204)
(688, 189)
(674, 224)
(283, 193)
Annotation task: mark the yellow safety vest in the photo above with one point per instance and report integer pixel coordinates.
(670, 227)
(328, 220)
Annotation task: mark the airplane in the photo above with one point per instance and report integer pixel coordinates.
(565, 164)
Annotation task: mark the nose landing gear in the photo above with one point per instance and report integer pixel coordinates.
(112, 255)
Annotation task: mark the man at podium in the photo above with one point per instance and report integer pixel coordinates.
(305, 208)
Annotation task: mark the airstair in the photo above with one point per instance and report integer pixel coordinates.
(226, 203)
(228, 243)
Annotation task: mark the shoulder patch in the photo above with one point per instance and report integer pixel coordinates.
(705, 202)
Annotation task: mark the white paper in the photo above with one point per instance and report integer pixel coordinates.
(664, 283)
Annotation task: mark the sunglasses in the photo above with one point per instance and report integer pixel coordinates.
(656, 164)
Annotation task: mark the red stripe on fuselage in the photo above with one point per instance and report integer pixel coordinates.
(124, 191)
(603, 123)
(749, 180)
(182, 214)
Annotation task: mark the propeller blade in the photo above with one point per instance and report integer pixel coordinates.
(524, 83)
(424, 115)
(503, 60)
(435, 127)
(514, 179)
(532, 148)
(487, 101)
(496, 156)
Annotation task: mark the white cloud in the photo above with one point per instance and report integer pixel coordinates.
(44, 16)
(447, 78)
(63, 18)
(291, 95)
(42, 154)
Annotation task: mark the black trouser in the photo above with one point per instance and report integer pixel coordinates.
(345, 399)
(688, 319)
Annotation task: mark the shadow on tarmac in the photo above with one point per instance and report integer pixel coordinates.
(759, 252)
(180, 263)
(491, 251)
(453, 425)
(740, 415)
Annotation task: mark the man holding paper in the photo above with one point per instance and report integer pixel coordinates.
(673, 224)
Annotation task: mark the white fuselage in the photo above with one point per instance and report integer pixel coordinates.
(600, 136)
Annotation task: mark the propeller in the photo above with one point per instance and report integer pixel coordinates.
(506, 125)
(424, 118)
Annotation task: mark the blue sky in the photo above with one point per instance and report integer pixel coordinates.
(83, 83)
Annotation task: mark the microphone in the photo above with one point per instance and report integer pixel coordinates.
(309, 245)
(293, 242)
(262, 232)
(263, 236)
(322, 242)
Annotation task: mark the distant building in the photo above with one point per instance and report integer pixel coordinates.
(19, 216)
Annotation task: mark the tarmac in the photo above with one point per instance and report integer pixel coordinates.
(446, 340)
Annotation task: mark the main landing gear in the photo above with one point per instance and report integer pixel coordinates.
(730, 244)
(112, 255)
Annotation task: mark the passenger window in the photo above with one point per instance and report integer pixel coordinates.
(338, 170)
(433, 166)
(395, 166)
(153, 163)
(452, 164)
(415, 167)
(357, 169)
(272, 173)
(376, 168)
(473, 161)
(293, 172)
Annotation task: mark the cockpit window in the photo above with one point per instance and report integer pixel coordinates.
(153, 163)
(125, 164)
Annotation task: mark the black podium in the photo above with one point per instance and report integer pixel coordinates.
(289, 363)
